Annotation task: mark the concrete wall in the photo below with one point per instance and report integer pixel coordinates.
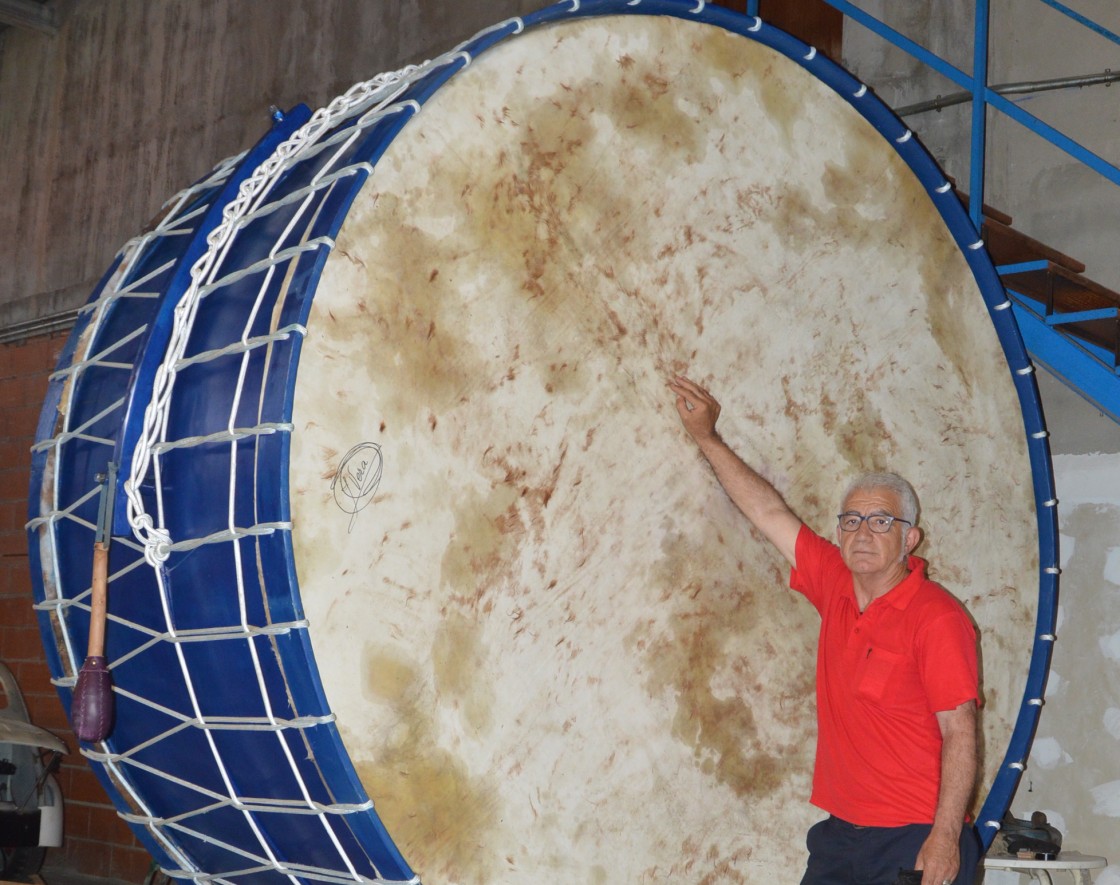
(1050, 195)
(1074, 769)
(133, 100)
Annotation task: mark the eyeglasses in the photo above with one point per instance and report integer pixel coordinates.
(879, 523)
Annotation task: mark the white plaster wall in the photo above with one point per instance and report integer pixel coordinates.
(1074, 769)
(1073, 773)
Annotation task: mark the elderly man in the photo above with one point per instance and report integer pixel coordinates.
(896, 676)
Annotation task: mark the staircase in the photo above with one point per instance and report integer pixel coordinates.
(1069, 323)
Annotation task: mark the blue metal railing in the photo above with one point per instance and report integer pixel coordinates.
(983, 95)
(1090, 370)
(979, 112)
(1081, 20)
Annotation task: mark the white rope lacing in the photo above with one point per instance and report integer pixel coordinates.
(373, 101)
(365, 104)
(174, 223)
(380, 91)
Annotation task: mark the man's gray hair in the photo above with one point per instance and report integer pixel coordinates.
(907, 497)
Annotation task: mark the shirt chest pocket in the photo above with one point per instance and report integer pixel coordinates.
(875, 671)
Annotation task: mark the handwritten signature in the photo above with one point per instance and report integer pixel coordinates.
(357, 478)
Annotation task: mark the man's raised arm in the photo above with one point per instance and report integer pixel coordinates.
(754, 496)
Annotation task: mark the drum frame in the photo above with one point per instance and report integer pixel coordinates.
(121, 342)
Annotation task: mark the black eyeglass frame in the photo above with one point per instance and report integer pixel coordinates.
(891, 520)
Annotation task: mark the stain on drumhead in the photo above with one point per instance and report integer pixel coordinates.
(437, 806)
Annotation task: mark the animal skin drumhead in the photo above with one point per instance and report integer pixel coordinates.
(556, 651)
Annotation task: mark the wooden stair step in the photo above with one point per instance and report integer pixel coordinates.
(1058, 287)
(1059, 290)
(1008, 246)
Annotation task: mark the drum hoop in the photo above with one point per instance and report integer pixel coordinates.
(844, 84)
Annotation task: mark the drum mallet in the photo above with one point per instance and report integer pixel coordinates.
(91, 710)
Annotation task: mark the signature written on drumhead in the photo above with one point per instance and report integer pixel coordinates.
(357, 478)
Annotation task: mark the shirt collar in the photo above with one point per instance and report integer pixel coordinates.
(900, 595)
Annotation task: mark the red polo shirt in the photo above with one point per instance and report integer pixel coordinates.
(881, 676)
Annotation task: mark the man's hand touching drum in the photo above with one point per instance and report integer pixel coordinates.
(759, 501)
(698, 409)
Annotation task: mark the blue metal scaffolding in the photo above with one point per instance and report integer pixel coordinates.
(1091, 371)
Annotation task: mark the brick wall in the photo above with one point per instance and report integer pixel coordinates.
(97, 842)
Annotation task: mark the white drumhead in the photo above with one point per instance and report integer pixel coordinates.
(555, 651)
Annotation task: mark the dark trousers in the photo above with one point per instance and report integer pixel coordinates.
(841, 853)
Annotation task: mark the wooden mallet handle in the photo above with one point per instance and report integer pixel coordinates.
(91, 710)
